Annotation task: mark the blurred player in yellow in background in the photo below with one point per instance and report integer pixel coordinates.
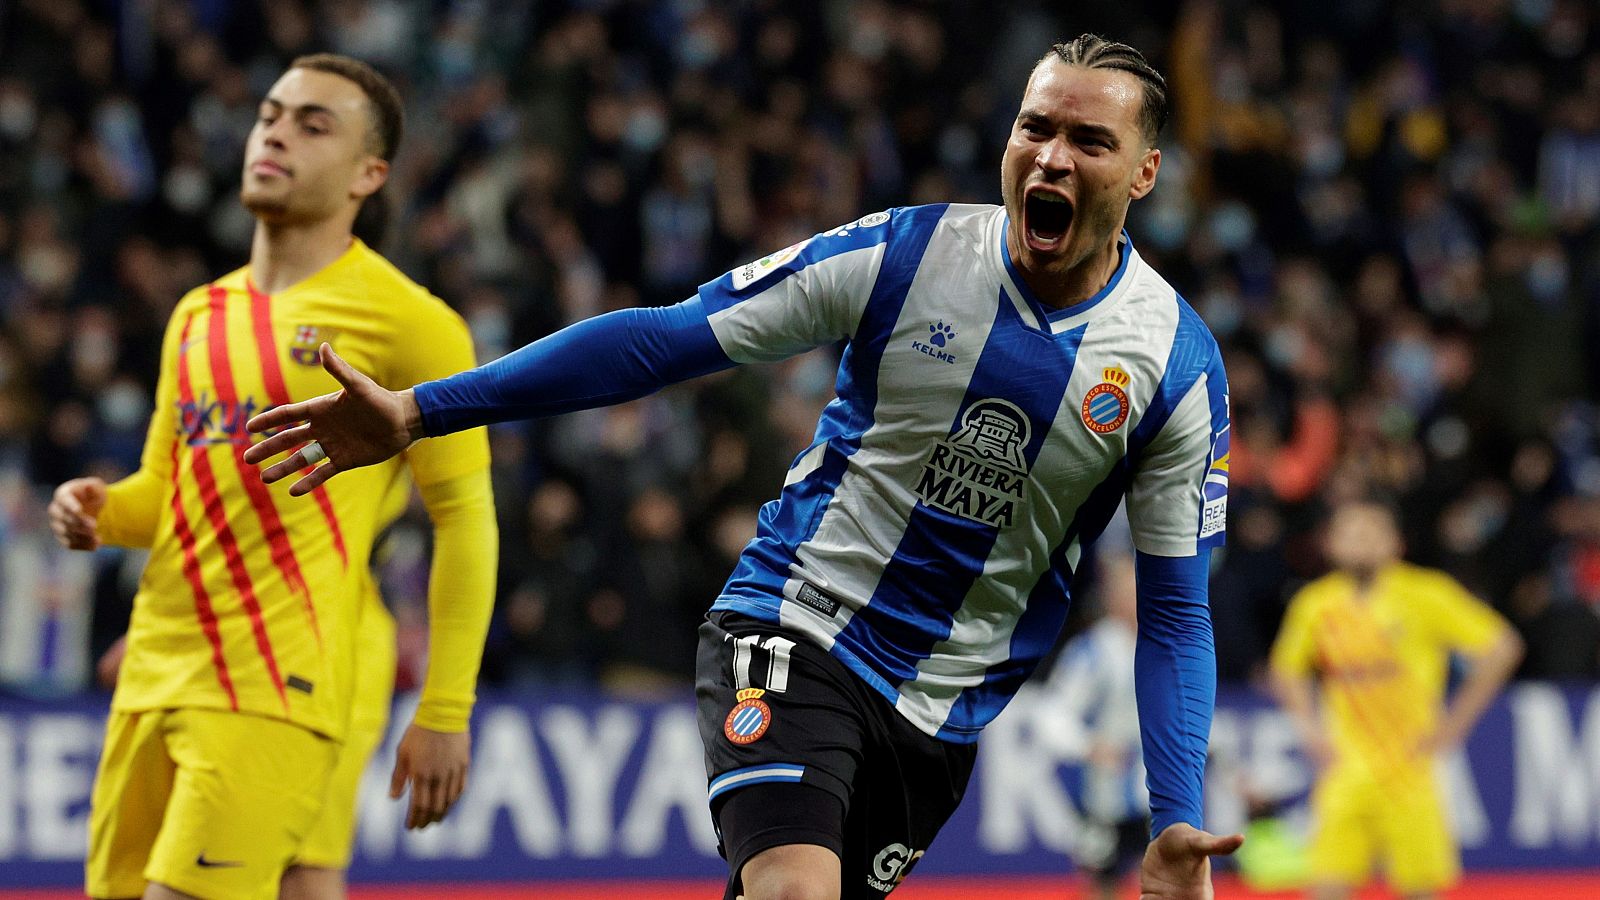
(259, 660)
(1376, 634)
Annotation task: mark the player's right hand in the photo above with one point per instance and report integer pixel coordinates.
(1177, 864)
(362, 425)
(73, 512)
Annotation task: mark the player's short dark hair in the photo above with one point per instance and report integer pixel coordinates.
(1095, 52)
(388, 113)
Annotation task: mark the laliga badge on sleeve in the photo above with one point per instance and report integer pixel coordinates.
(749, 718)
(752, 272)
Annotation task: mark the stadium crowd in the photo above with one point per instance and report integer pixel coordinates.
(1388, 213)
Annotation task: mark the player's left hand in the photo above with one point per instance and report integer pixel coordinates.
(435, 764)
(1177, 864)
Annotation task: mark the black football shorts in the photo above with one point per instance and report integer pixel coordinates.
(800, 750)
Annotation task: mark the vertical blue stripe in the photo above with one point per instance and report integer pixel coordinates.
(756, 585)
(940, 554)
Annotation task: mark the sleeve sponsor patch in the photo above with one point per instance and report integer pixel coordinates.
(1214, 512)
(1213, 517)
(752, 272)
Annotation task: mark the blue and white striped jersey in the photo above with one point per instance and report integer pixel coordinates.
(979, 442)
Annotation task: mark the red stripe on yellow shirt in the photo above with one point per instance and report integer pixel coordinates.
(278, 395)
(191, 571)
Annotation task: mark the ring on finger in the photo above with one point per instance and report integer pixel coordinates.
(313, 453)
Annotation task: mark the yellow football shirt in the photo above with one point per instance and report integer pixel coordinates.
(1382, 661)
(250, 598)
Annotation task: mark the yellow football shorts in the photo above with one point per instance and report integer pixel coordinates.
(1398, 821)
(208, 802)
(329, 843)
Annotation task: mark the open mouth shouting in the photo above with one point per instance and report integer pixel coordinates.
(1046, 217)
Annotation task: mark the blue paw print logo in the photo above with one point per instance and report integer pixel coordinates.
(942, 334)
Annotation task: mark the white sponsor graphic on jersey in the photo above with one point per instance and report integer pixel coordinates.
(978, 473)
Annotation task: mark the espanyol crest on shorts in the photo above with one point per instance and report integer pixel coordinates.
(749, 718)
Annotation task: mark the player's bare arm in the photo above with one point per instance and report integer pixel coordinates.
(1297, 697)
(1490, 670)
(361, 425)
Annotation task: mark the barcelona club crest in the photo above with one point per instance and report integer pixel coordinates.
(749, 718)
(307, 340)
(1105, 407)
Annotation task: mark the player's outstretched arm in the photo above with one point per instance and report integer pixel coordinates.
(361, 425)
(1177, 864)
(613, 358)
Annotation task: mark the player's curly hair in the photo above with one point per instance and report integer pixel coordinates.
(1095, 52)
(388, 113)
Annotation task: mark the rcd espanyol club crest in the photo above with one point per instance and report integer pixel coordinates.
(749, 718)
(1105, 406)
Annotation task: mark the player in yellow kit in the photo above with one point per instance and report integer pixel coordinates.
(318, 869)
(248, 632)
(1377, 634)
